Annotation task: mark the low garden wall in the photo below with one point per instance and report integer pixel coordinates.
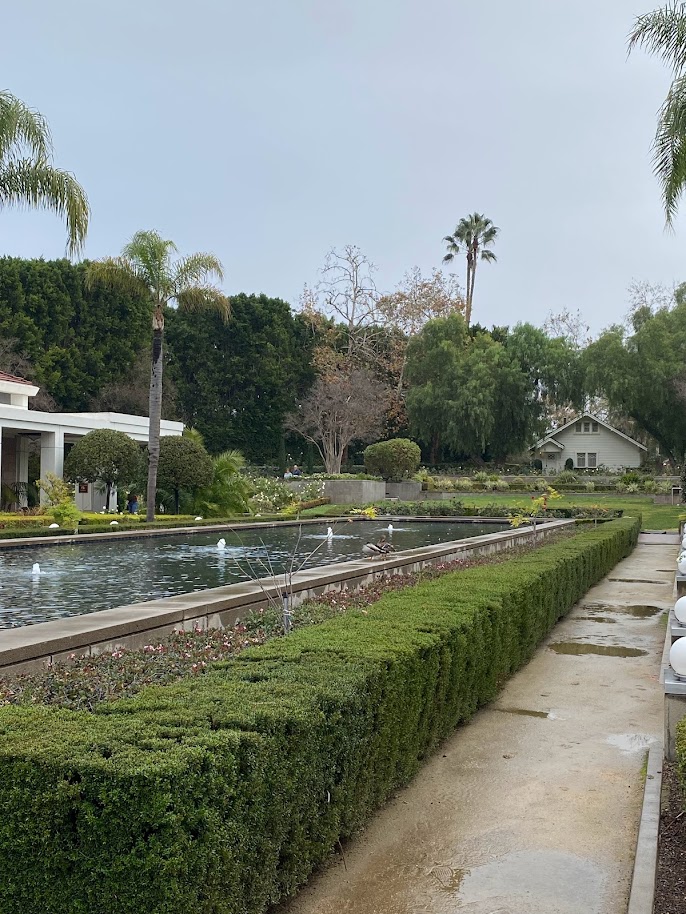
(354, 491)
(223, 792)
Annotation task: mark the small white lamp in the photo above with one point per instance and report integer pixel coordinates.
(681, 563)
(683, 542)
(680, 610)
(677, 658)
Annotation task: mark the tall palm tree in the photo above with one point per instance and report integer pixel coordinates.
(146, 266)
(663, 33)
(27, 175)
(473, 235)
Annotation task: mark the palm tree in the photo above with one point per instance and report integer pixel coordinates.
(27, 175)
(663, 33)
(472, 236)
(146, 266)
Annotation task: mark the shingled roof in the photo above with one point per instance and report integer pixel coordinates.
(14, 379)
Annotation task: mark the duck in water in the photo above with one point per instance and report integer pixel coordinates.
(380, 549)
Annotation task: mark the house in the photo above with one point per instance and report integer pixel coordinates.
(23, 431)
(589, 443)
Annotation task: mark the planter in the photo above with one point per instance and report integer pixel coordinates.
(354, 491)
(405, 491)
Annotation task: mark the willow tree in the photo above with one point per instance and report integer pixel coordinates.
(472, 237)
(663, 33)
(147, 264)
(27, 176)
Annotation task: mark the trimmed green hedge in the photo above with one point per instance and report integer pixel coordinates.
(222, 793)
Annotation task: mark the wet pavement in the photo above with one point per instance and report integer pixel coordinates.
(533, 807)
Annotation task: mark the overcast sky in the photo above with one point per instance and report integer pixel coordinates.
(272, 131)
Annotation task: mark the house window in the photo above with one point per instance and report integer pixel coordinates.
(594, 426)
(581, 461)
(587, 427)
(578, 426)
(551, 456)
(592, 461)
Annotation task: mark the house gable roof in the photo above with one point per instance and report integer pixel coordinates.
(14, 379)
(554, 432)
(546, 442)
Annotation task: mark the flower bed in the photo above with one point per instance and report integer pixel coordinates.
(222, 792)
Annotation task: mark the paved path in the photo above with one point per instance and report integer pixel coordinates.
(533, 808)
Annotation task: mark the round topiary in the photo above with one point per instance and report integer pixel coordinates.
(393, 460)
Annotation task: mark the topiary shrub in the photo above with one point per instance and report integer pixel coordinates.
(224, 792)
(393, 460)
(566, 477)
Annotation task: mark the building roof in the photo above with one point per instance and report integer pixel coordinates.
(14, 379)
(544, 442)
(556, 431)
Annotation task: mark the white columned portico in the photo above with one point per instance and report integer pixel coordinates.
(51, 455)
(22, 475)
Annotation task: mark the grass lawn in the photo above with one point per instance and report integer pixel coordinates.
(655, 517)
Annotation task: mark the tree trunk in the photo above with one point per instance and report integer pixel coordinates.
(108, 495)
(176, 501)
(155, 410)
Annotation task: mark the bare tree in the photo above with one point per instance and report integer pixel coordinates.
(346, 405)
(346, 291)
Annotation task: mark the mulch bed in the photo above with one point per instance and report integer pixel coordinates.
(670, 891)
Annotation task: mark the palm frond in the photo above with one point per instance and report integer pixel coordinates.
(662, 33)
(152, 255)
(204, 298)
(196, 269)
(118, 273)
(36, 183)
(488, 256)
(669, 148)
(22, 129)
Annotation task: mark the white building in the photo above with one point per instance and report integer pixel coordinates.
(589, 443)
(22, 429)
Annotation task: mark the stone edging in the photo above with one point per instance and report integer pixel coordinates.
(642, 895)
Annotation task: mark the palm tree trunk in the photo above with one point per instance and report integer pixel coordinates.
(155, 410)
(471, 294)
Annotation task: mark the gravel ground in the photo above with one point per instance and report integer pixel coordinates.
(670, 893)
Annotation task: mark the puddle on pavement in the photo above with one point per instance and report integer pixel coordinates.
(630, 742)
(642, 611)
(636, 581)
(605, 650)
(535, 882)
(524, 711)
(597, 619)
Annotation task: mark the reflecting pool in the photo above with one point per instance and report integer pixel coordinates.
(50, 582)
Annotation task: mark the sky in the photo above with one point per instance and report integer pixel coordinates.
(270, 132)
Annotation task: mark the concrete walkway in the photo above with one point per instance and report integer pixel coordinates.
(533, 807)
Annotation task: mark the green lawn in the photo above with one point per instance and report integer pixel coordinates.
(655, 517)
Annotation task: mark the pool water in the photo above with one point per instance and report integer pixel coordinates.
(87, 577)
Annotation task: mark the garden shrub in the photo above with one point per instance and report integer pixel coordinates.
(221, 794)
(393, 460)
(566, 476)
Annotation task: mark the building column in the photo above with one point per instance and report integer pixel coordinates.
(22, 474)
(51, 455)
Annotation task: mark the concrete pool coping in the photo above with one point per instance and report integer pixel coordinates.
(32, 647)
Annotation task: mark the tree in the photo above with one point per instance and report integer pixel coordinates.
(347, 405)
(70, 339)
(105, 455)
(237, 382)
(229, 490)
(467, 393)
(27, 175)
(663, 34)
(347, 292)
(184, 464)
(416, 300)
(146, 266)
(473, 236)
(642, 375)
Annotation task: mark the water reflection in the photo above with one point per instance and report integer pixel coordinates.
(87, 577)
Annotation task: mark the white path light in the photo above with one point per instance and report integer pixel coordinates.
(680, 609)
(677, 658)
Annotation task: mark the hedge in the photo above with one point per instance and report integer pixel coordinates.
(221, 794)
